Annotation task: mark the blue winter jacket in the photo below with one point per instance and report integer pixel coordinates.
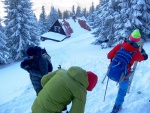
(37, 68)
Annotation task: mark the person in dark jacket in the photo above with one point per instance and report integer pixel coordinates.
(37, 66)
(62, 87)
(131, 45)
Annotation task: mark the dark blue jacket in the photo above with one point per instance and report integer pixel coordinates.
(37, 68)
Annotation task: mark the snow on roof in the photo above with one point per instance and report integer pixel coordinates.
(53, 35)
(77, 30)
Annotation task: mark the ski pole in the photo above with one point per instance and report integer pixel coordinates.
(107, 72)
(104, 79)
(105, 76)
(106, 89)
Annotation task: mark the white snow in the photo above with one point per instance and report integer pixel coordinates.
(17, 93)
(53, 35)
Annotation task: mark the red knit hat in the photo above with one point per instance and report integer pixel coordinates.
(92, 78)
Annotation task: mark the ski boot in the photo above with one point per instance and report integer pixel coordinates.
(116, 108)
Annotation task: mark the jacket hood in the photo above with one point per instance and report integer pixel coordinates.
(127, 46)
(79, 75)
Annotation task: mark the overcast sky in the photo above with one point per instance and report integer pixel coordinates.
(61, 4)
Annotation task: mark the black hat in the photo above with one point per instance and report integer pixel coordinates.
(31, 51)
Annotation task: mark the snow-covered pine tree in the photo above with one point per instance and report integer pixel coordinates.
(134, 14)
(91, 16)
(2, 28)
(3, 48)
(85, 13)
(66, 14)
(19, 27)
(122, 26)
(79, 12)
(95, 20)
(104, 21)
(35, 35)
(52, 17)
(73, 11)
(92, 9)
(43, 21)
(59, 14)
(117, 19)
(140, 16)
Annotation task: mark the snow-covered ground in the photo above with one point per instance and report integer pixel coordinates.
(17, 93)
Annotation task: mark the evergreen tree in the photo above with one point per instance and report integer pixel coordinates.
(52, 17)
(115, 20)
(6, 7)
(92, 9)
(19, 27)
(35, 35)
(85, 13)
(3, 48)
(73, 13)
(59, 14)
(73, 9)
(1, 27)
(94, 21)
(91, 16)
(66, 14)
(43, 21)
(79, 12)
(139, 17)
(102, 2)
(90, 20)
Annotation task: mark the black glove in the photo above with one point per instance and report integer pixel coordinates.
(145, 56)
(25, 65)
(143, 51)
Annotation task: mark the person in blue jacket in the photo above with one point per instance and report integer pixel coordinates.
(37, 66)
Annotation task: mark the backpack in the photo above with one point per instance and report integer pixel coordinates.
(117, 69)
(43, 52)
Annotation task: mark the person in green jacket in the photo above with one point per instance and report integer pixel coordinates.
(62, 87)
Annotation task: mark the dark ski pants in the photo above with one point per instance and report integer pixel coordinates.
(123, 86)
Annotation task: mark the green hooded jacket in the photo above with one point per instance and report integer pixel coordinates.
(60, 88)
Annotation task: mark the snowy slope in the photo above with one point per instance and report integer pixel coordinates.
(17, 93)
